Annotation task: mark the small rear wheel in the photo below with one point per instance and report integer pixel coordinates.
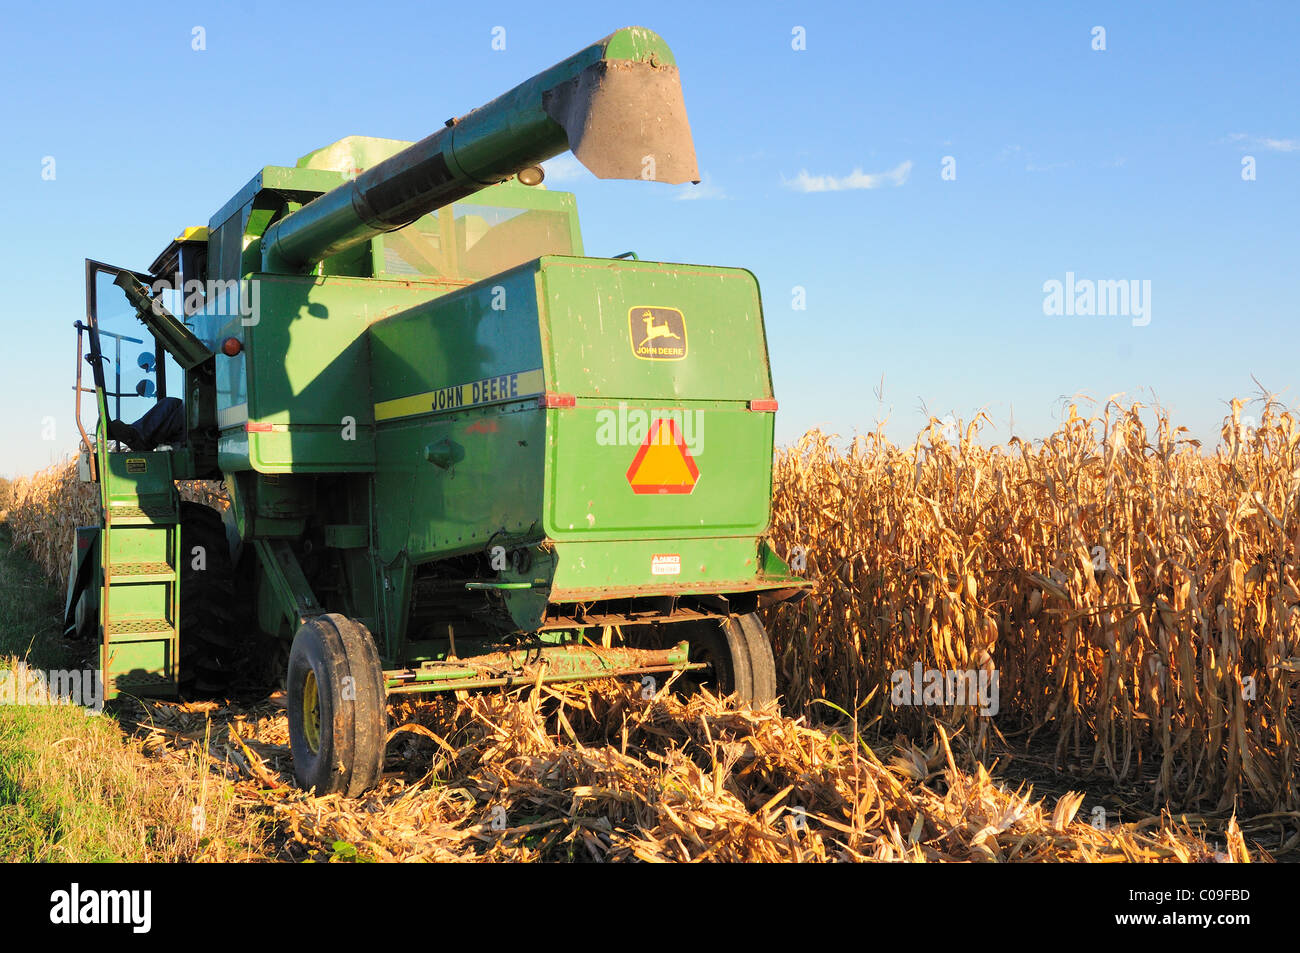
(337, 708)
(738, 655)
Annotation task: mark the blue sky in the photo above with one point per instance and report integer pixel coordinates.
(822, 172)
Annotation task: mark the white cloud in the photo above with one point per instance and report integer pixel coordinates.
(857, 179)
(1265, 142)
(705, 190)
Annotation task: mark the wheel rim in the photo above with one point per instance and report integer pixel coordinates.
(311, 712)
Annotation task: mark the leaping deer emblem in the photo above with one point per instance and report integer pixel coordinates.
(653, 330)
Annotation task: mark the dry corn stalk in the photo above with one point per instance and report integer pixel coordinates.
(46, 508)
(1137, 597)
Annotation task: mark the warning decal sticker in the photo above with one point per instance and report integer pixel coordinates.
(666, 564)
(662, 463)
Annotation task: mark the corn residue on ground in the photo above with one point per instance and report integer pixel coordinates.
(601, 773)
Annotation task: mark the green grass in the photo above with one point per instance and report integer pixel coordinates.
(50, 809)
(70, 787)
(78, 788)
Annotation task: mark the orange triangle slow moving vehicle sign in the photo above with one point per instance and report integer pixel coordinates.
(662, 463)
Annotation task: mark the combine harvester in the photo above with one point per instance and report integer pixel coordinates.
(459, 454)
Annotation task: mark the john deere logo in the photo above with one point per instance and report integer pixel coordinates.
(658, 334)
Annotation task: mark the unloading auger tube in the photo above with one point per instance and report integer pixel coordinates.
(616, 104)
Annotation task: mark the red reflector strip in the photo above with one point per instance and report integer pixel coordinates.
(766, 405)
(252, 427)
(551, 400)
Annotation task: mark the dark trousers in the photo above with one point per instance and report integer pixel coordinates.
(164, 422)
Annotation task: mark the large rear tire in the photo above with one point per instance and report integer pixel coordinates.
(338, 721)
(208, 641)
(739, 656)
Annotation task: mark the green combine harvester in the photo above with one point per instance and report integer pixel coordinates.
(459, 454)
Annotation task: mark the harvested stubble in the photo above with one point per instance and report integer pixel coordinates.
(1137, 597)
(598, 772)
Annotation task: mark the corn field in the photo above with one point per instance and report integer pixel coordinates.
(1136, 596)
(46, 509)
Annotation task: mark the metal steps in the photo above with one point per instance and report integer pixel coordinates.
(140, 553)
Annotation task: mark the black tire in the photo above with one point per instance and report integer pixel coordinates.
(739, 655)
(208, 639)
(338, 721)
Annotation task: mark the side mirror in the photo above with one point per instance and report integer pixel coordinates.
(145, 388)
(146, 361)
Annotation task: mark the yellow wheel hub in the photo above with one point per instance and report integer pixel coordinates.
(311, 712)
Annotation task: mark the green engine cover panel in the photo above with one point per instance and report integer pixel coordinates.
(597, 311)
(709, 320)
(582, 401)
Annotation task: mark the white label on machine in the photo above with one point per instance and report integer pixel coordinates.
(666, 564)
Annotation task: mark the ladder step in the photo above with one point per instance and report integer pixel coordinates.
(119, 573)
(119, 515)
(145, 683)
(139, 630)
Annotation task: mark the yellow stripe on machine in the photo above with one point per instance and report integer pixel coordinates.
(489, 390)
